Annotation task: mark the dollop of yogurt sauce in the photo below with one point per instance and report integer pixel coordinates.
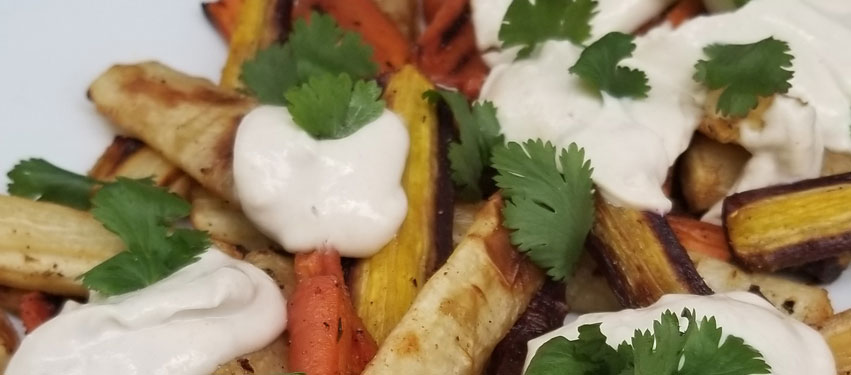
(307, 194)
(741, 314)
(189, 323)
(633, 143)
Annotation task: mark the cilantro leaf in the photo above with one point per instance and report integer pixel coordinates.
(333, 107)
(551, 212)
(315, 48)
(479, 133)
(664, 351)
(39, 180)
(142, 215)
(740, 3)
(528, 23)
(598, 67)
(745, 72)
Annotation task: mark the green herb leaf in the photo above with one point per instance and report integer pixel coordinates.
(745, 72)
(740, 3)
(315, 48)
(142, 215)
(479, 133)
(333, 107)
(551, 212)
(39, 180)
(598, 67)
(527, 24)
(664, 351)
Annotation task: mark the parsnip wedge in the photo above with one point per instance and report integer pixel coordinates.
(128, 157)
(837, 332)
(466, 308)
(45, 246)
(188, 120)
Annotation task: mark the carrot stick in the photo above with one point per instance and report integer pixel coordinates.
(447, 50)
(697, 236)
(35, 310)
(683, 11)
(326, 337)
(390, 48)
(430, 8)
(224, 15)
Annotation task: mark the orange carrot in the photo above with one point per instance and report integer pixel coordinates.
(683, 11)
(326, 337)
(390, 48)
(224, 15)
(430, 8)
(697, 236)
(447, 50)
(35, 310)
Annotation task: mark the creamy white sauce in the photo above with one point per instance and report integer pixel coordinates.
(344, 194)
(613, 15)
(788, 346)
(633, 143)
(189, 323)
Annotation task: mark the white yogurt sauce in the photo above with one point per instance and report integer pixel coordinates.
(189, 323)
(633, 143)
(344, 194)
(740, 314)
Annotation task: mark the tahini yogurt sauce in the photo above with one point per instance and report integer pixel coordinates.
(788, 346)
(202, 316)
(633, 143)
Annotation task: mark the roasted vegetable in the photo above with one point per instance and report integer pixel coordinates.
(697, 236)
(725, 129)
(808, 304)
(708, 170)
(45, 246)
(224, 15)
(390, 47)
(270, 360)
(127, 157)
(190, 121)
(36, 308)
(384, 285)
(326, 336)
(545, 313)
(683, 11)
(260, 23)
(403, 13)
(447, 51)
(784, 226)
(837, 332)
(225, 222)
(466, 308)
(588, 291)
(641, 256)
(825, 271)
(8, 340)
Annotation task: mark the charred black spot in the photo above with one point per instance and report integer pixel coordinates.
(339, 329)
(454, 28)
(245, 364)
(789, 306)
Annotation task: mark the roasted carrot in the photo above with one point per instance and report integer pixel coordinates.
(697, 236)
(447, 51)
(683, 11)
(390, 48)
(224, 15)
(326, 336)
(430, 8)
(35, 310)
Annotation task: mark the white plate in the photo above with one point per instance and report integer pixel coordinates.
(50, 50)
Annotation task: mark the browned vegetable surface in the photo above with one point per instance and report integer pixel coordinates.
(790, 225)
(641, 256)
(837, 332)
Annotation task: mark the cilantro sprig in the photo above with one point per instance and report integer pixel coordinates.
(529, 23)
(667, 350)
(745, 72)
(333, 107)
(140, 213)
(39, 180)
(479, 133)
(315, 48)
(598, 67)
(549, 202)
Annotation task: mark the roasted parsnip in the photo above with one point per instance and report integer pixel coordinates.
(837, 332)
(128, 157)
(190, 121)
(784, 226)
(45, 246)
(708, 170)
(588, 291)
(466, 308)
(641, 256)
(384, 286)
